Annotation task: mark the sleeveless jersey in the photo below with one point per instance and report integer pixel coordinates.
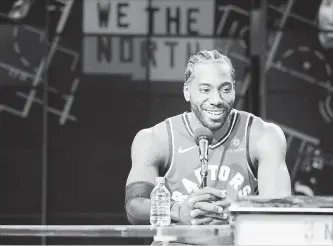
(229, 164)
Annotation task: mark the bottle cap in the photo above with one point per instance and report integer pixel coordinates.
(160, 180)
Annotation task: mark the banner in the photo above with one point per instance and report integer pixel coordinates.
(115, 17)
(128, 56)
(117, 41)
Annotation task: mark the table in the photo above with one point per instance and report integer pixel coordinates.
(169, 232)
(295, 220)
(255, 221)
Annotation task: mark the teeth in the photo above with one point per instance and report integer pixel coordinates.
(214, 112)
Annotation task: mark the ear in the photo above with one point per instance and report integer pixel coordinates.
(186, 91)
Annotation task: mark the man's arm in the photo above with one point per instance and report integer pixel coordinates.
(149, 151)
(270, 152)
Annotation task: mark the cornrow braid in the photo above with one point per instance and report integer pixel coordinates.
(206, 56)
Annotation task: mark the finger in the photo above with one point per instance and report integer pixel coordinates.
(220, 216)
(224, 203)
(197, 212)
(218, 222)
(201, 221)
(201, 197)
(208, 207)
(213, 191)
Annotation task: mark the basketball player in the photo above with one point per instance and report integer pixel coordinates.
(247, 155)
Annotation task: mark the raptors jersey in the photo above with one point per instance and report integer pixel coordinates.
(229, 164)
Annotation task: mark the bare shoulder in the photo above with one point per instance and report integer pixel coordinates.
(270, 152)
(155, 134)
(149, 152)
(267, 128)
(151, 143)
(267, 136)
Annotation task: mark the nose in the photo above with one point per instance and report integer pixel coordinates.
(215, 98)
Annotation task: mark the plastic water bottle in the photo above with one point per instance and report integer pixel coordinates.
(160, 204)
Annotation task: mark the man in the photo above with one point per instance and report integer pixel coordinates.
(312, 179)
(247, 154)
(20, 9)
(325, 24)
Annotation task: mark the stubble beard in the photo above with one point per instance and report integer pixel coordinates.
(213, 126)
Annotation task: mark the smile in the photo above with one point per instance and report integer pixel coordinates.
(214, 112)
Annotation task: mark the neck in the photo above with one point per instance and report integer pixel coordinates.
(217, 134)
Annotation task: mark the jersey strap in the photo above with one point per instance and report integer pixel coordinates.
(252, 168)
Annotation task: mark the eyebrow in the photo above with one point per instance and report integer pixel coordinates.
(223, 84)
(204, 84)
(227, 83)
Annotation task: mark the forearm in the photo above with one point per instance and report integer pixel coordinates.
(137, 202)
(138, 211)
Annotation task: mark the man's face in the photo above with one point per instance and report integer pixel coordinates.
(325, 18)
(211, 94)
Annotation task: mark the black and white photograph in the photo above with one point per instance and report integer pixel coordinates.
(166, 122)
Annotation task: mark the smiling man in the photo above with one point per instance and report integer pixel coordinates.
(246, 156)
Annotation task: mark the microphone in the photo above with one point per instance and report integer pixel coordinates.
(203, 137)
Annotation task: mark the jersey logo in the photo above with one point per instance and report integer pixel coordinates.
(224, 178)
(181, 150)
(235, 142)
(235, 146)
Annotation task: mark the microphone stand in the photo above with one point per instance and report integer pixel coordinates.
(204, 164)
(203, 173)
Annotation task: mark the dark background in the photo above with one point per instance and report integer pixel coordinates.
(78, 168)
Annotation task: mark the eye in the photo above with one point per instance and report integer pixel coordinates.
(204, 90)
(226, 89)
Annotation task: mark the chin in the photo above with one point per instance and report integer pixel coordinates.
(213, 125)
(209, 122)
